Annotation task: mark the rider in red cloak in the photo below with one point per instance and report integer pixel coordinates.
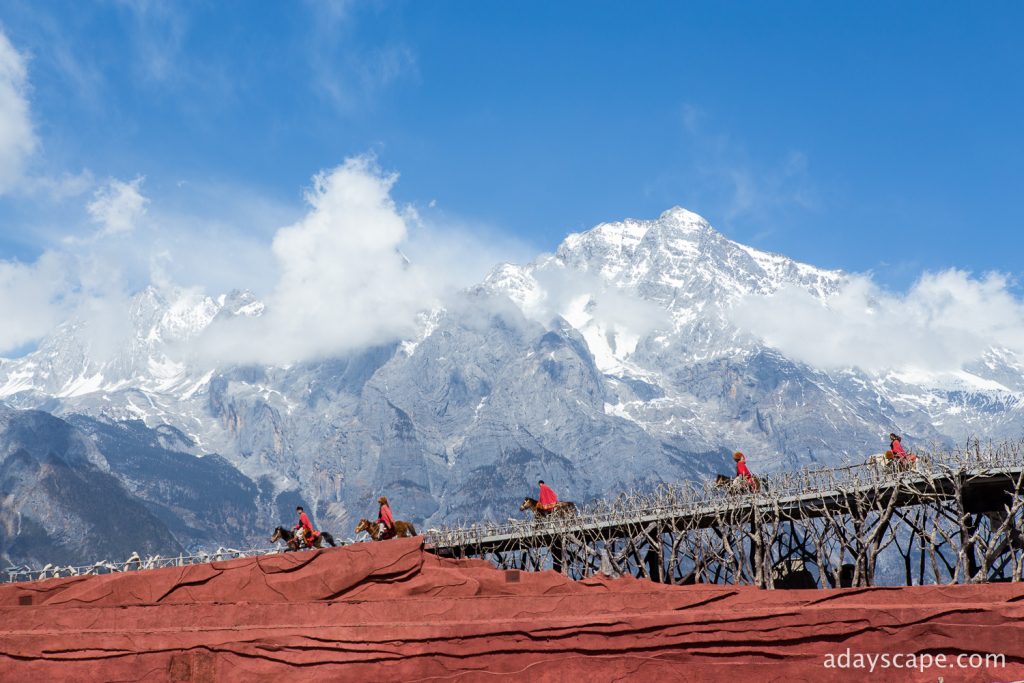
(742, 471)
(385, 519)
(548, 499)
(309, 534)
(896, 446)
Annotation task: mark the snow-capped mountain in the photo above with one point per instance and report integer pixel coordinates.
(694, 277)
(675, 277)
(615, 362)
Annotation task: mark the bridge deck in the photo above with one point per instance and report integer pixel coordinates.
(909, 487)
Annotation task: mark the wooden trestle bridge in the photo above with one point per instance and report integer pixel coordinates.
(956, 517)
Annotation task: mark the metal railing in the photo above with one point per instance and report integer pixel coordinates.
(134, 563)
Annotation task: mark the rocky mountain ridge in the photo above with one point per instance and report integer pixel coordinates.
(614, 362)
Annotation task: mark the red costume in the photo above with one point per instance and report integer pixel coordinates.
(384, 517)
(548, 498)
(308, 532)
(741, 470)
(898, 452)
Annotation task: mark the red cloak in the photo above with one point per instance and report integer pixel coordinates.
(384, 517)
(308, 531)
(548, 498)
(741, 470)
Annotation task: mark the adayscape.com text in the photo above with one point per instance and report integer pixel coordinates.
(875, 661)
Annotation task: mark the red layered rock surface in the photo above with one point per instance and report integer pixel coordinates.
(392, 612)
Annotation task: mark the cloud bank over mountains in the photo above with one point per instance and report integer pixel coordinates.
(945, 321)
(357, 269)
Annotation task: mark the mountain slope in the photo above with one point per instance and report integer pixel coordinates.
(60, 503)
(616, 362)
(80, 490)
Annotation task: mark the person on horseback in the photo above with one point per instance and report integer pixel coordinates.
(899, 453)
(547, 499)
(742, 471)
(385, 519)
(308, 533)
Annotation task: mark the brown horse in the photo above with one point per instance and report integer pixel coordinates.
(735, 485)
(374, 529)
(561, 508)
(297, 542)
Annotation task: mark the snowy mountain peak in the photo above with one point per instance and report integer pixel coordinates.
(675, 229)
(240, 302)
(675, 257)
(683, 217)
(133, 346)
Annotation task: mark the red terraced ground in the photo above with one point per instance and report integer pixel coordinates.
(391, 611)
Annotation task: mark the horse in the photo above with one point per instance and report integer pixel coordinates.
(296, 541)
(735, 485)
(561, 508)
(401, 529)
(887, 463)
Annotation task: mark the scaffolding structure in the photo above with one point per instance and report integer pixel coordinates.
(953, 517)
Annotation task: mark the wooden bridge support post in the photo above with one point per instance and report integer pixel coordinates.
(558, 555)
(653, 561)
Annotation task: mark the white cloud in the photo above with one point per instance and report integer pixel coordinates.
(584, 297)
(117, 207)
(344, 280)
(91, 276)
(612, 320)
(17, 138)
(457, 253)
(354, 269)
(60, 188)
(34, 298)
(946, 320)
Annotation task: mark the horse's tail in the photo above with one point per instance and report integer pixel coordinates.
(330, 539)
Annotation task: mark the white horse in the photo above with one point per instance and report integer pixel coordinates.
(736, 485)
(879, 464)
(886, 463)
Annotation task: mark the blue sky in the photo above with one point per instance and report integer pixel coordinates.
(874, 138)
(837, 137)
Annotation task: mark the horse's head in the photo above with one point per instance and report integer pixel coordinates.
(528, 504)
(722, 481)
(364, 525)
(278, 535)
